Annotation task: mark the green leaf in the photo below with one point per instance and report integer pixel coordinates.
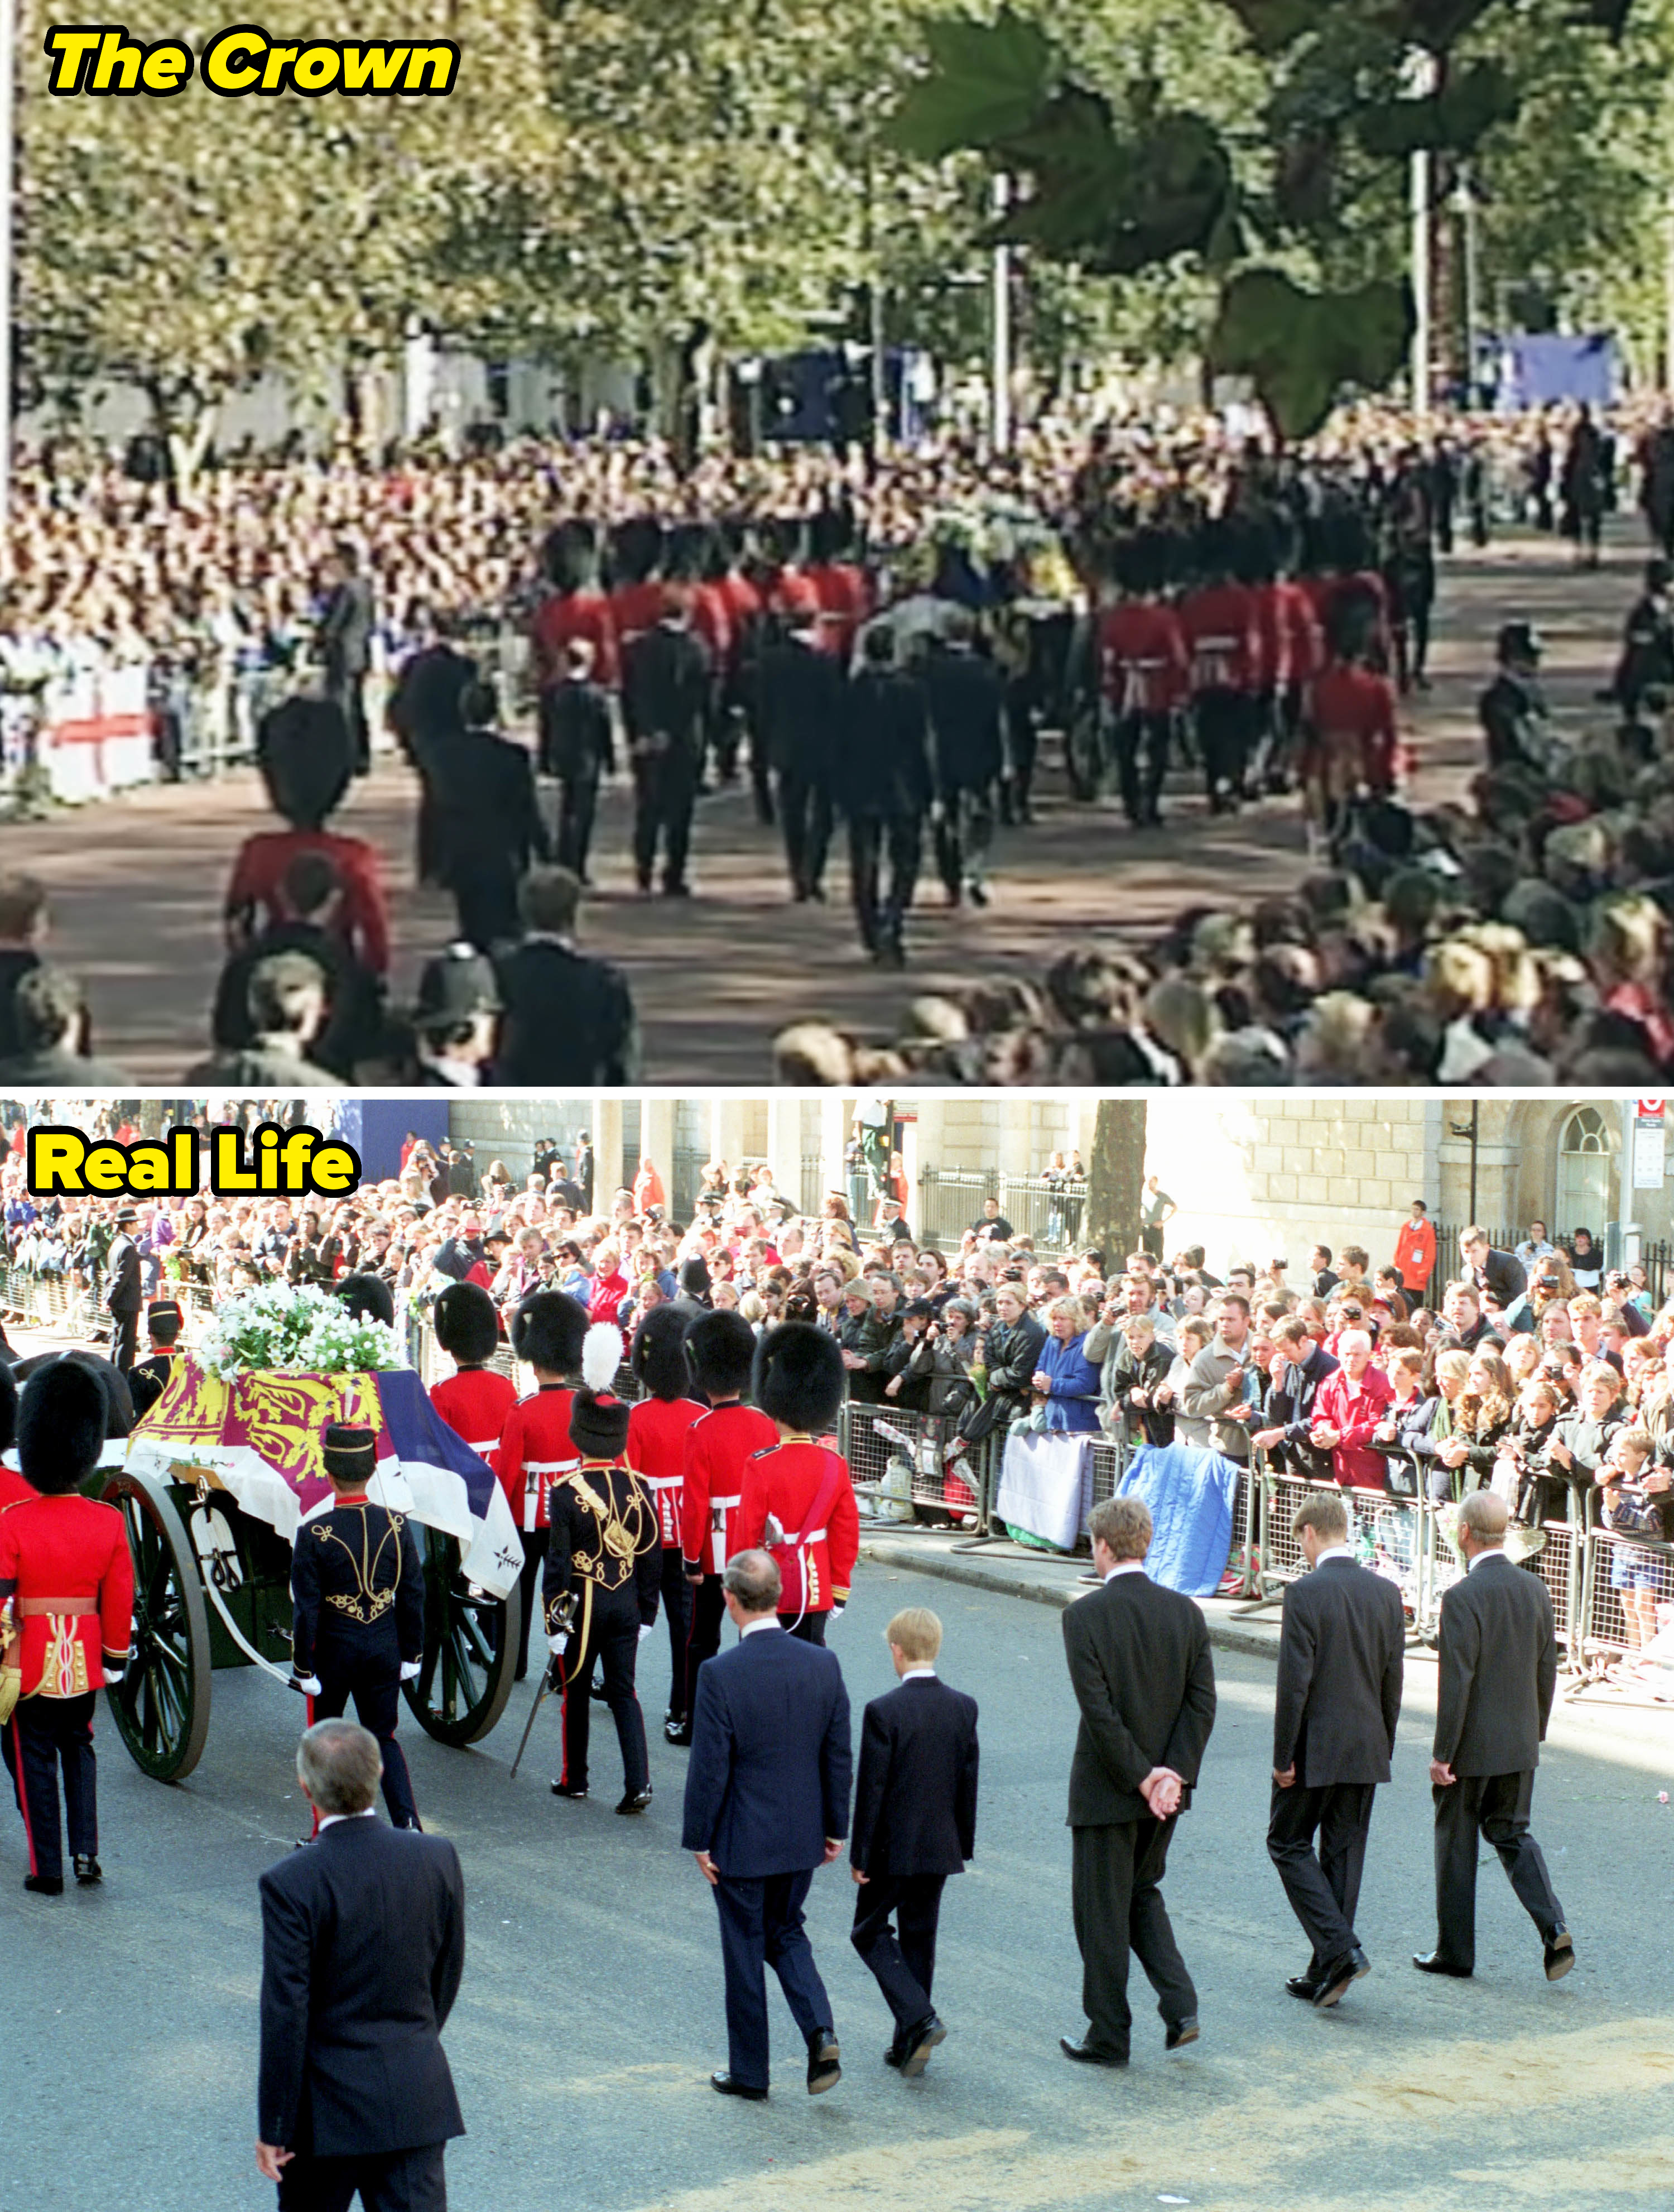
(1610, 16)
(1454, 120)
(987, 82)
(1167, 193)
(1301, 349)
(1273, 25)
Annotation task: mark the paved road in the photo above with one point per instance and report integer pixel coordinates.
(591, 2012)
(136, 883)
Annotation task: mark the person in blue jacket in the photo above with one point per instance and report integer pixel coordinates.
(1066, 1378)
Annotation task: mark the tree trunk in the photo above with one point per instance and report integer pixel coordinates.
(1115, 1179)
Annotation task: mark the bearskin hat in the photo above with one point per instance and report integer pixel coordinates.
(8, 1407)
(467, 1325)
(659, 1356)
(368, 1297)
(61, 1426)
(798, 1376)
(547, 1330)
(720, 1351)
(636, 549)
(570, 556)
(306, 757)
(598, 1418)
(119, 1415)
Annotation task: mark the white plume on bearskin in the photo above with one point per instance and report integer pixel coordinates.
(601, 1356)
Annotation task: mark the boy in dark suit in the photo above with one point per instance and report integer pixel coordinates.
(914, 1824)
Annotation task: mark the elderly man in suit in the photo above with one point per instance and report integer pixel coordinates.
(915, 1802)
(767, 1804)
(1497, 1676)
(1339, 1698)
(363, 1944)
(1140, 1666)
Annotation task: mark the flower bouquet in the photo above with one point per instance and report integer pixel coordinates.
(283, 1328)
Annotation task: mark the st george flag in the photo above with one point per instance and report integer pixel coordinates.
(259, 1437)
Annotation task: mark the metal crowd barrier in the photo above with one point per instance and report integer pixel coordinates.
(904, 1460)
(1619, 1572)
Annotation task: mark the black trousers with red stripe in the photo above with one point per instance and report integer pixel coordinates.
(610, 1634)
(377, 1695)
(674, 1603)
(43, 1734)
(703, 1636)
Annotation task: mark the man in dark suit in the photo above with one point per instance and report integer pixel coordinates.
(802, 714)
(967, 696)
(577, 749)
(568, 1018)
(915, 1802)
(885, 787)
(425, 713)
(1140, 1666)
(490, 821)
(344, 644)
(363, 1944)
(664, 701)
(1340, 1698)
(123, 1294)
(1497, 1675)
(767, 1804)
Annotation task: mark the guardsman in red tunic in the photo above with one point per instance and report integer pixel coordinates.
(575, 608)
(603, 1567)
(839, 582)
(1144, 675)
(656, 1431)
(474, 1400)
(799, 1502)
(636, 591)
(535, 1446)
(66, 1618)
(720, 1351)
(1352, 745)
(1219, 619)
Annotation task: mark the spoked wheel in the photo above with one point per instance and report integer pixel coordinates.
(471, 1649)
(162, 1705)
(1084, 750)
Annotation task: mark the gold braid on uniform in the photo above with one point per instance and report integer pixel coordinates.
(620, 1539)
(365, 1604)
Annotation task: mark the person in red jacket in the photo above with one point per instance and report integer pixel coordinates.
(1415, 1250)
(657, 1429)
(838, 583)
(1219, 619)
(798, 1501)
(720, 1352)
(66, 1618)
(575, 607)
(1352, 746)
(636, 589)
(547, 1330)
(1144, 676)
(474, 1400)
(1347, 1409)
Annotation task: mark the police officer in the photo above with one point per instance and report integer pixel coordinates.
(604, 1568)
(66, 1618)
(357, 1596)
(122, 1290)
(148, 1378)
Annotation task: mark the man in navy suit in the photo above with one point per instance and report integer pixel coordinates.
(766, 1802)
(914, 1824)
(363, 1945)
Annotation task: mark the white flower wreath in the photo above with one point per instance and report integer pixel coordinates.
(294, 1330)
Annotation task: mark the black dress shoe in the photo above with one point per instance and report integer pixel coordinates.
(824, 2069)
(1072, 2046)
(569, 1789)
(729, 2087)
(44, 1885)
(1182, 2033)
(919, 2045)
(678, 1732)
(894, 2055)
(1560, 1951)
(636, 1801)
(88, 1869)
(1339, 1976)
(596, 1691)
(1303, 1986)
(1432, 1962)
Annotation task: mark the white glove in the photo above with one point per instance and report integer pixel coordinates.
(837, 1609)
(411, 1669)
(558, 1646)
(310, 1685)
(646, 1630)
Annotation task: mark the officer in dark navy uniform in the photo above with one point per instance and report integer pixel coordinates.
(148, 1378)
(357, 1593)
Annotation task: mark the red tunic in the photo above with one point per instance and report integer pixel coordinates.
(1143, 665)
(568, 615)
(635, 608)
(258, 877)
(791, 594)
(475, 1403)
(657, 1432)
(718, 1445)
(13, 1488)
(535, 1449)
(1222, 630)
(841, 594)
(786, 1481)
(71, 1547)
(1352, 713)
(712, 623)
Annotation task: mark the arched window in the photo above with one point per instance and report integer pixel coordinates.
(1584, 1153)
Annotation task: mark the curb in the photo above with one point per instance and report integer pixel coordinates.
(976, 1573)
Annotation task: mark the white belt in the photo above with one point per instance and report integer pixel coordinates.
(531, 1488)
(662, 1481)
(485, 1444)
(550, 1465)
(719, 1510)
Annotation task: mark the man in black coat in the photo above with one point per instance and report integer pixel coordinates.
(491, 823)
(363, 1946)
(578, 749)
(568, 1018)
(1489, 1268)
(665, 702)
(885, 787)
(123, 1293)
(1498, 1671)
(1140, 1665)
(915, 1800)
(804, 722)
(1339, 1698)
(426, 712)
(344, 645)
(967, 696)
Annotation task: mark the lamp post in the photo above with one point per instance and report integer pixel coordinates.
(1419, 79)
(999, 414)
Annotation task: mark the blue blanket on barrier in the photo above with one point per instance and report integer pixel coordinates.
(1192, 1494)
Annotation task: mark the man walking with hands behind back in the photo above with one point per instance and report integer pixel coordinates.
(1140, 1665)
(1497, 1676)
(914, 1824)
(767, 1804)
(1339, 1698)
(363, 1944)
